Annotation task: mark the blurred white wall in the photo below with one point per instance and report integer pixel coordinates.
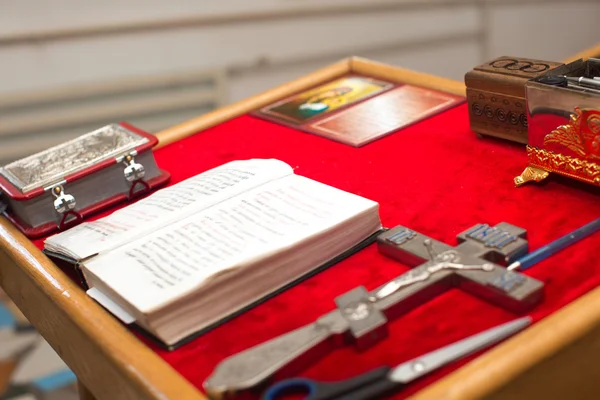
(54, 49)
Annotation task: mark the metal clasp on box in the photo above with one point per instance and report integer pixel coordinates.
(64, 204)
(134, 173)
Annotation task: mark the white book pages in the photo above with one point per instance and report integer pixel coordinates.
(165, 265)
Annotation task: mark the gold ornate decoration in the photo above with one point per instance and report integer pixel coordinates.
(581, 136)
(568, 135)
(548, 161)
(531, 174)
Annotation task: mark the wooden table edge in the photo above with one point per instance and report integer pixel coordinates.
(137, 372)
(592, 52)
(90, 341)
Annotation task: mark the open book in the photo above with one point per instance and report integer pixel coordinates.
(194, 253)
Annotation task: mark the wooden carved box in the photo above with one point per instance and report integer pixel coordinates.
(564, 125)
(496, 96)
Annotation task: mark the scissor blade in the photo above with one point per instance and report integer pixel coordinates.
(413, 369)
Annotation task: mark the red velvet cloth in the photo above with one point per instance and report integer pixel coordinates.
(437, 178)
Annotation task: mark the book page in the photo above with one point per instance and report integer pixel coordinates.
(166, 206)
(175, 260)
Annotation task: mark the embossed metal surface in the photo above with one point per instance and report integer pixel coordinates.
(51, 165)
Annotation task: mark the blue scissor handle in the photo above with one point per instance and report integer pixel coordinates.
(294, 385)
(366, 386)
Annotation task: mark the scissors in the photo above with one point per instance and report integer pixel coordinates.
(385, 380)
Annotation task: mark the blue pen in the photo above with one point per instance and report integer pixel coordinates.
(554, 247)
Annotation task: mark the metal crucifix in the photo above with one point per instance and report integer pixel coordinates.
(475, 265)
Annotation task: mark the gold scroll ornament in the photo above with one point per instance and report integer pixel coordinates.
(581, 136)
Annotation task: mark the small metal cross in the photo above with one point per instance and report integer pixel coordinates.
(476, 265)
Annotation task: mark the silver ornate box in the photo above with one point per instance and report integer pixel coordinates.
(60, 186)
(564, 125)
(54, 164)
